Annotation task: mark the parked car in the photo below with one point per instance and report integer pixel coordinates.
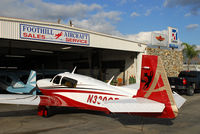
(186, 82)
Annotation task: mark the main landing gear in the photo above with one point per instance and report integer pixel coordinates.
(43, 111)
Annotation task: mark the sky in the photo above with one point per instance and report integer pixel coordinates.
(131, 19)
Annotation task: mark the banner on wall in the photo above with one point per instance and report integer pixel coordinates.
(32, 32)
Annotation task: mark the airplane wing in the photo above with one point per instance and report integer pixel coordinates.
(134, 105)
(19, 99)
(31, 100)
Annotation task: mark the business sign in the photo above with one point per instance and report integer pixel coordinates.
(33, 32)
(173, 37)
(159, 39)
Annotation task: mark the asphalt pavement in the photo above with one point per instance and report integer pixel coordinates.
(18, 119)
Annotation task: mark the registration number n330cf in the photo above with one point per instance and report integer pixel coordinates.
(98, 99)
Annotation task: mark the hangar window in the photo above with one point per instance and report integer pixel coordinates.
(71, 83)
(57, 80)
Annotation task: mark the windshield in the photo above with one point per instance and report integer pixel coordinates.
(57, 80)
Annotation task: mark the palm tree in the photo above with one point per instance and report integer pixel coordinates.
(190, 52)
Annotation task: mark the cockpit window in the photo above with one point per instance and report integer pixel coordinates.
(71, 83)
(57, 80)
(52, 78)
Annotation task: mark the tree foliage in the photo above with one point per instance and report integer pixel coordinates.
(190, 52)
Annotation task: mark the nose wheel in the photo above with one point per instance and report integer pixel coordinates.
(43, 111)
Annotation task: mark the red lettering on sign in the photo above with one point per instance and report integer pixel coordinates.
(83, 41)
(43, 36)
(25, 34)
(30, 35)
(35, 36)
(76, 41)
(68, 39)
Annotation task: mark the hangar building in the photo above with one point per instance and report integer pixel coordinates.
(29, 44)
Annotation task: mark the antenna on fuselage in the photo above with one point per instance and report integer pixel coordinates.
(74, 70)
(110, 80)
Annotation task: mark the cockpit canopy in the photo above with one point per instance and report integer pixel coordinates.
(65, 81)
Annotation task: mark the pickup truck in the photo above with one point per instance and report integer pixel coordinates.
(186, 82)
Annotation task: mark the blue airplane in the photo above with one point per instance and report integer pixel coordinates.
(19, 87)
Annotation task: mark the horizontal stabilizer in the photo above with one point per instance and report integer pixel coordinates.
(179, 100)
(19, 99)
(134, 105)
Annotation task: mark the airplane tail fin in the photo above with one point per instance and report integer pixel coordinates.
(32, 78)
(154, 85)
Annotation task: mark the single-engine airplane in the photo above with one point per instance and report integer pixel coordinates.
(151, 97)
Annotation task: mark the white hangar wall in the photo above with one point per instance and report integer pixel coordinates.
(36, 31)
(11, 28)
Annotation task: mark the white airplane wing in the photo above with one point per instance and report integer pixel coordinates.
(19, 99)
(134, 105)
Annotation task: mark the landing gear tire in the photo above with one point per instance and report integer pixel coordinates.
(190, 91)
(43, 111)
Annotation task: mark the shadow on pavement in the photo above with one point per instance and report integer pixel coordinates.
(18, 113)
(125, 119)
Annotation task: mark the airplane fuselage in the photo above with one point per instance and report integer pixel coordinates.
(90, 95)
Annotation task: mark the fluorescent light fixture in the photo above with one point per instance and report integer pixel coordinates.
(8, 67)
(64, 48)
(14, 56)
(12, 67)
(41, 51)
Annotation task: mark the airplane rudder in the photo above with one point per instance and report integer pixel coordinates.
(32, 78)
(148, 69)
(154, 85)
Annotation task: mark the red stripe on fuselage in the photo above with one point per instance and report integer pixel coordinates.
(59, 100)
(52, 91)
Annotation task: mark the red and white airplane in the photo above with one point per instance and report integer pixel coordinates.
(151, 97)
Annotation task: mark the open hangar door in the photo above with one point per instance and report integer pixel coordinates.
(26, 55)
(99, 63)
(103, 64)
